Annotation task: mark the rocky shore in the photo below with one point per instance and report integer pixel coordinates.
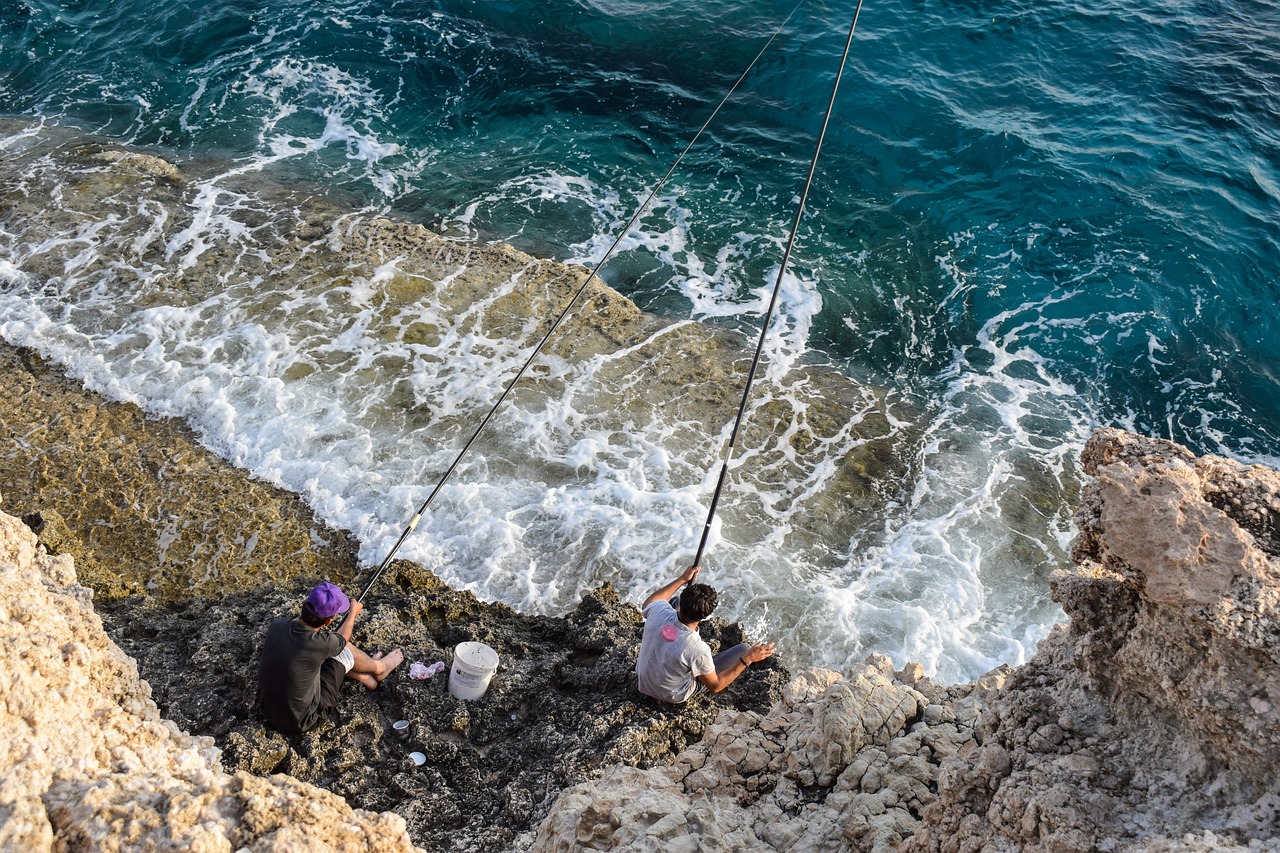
(562, 706)
(91, 765)
(1149, 722)
(131, 626)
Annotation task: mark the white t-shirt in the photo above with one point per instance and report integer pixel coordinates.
(672, 655)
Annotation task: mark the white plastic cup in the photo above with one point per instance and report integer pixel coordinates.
(473, 666)
(417, 758)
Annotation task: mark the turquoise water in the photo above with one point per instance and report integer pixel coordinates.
(1030, 219)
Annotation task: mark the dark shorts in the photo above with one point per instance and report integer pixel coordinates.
(332, 673)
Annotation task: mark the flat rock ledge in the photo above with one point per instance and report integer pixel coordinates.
(1149, 723)
(90, 765)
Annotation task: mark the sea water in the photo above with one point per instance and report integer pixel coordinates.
(1029, 220)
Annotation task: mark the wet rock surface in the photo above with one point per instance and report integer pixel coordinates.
(425, 305)
(139, 504)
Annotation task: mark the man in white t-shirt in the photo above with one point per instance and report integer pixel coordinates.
(673, 658)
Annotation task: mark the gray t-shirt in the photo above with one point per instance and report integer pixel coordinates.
(671, 655)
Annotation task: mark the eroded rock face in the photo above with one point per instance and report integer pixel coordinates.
(1151, 720)
(1149, 723)
(90, 765)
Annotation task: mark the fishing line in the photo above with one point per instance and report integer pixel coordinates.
(417, 516)
(777, 288)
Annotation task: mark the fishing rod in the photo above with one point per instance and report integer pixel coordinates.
(417, 516)
(777, 288)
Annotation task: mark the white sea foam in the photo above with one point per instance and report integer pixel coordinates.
(729, 289)
(563, 495)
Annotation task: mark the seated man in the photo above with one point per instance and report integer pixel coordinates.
(303, 666)
(672, 654)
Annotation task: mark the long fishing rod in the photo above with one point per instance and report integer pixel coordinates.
(777, 288)
(417, 516)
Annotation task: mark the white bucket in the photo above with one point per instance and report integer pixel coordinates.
(473, 665)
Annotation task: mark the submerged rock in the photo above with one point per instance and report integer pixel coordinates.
(329, 303)
(139, 504)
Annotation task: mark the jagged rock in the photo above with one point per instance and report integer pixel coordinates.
(1149, 723)
(838, 763)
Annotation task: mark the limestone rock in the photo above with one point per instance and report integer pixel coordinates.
(90, 764)
(839, 763)
(1149, 723)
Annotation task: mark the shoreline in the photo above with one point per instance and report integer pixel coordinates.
(1075, 751)
(1149, 723)
(562, 704)
(600, 464)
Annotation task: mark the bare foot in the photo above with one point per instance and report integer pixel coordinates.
(388, 662)
(369, 682)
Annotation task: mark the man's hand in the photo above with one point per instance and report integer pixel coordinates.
(670, 589)
(758, 652)
(349, 621)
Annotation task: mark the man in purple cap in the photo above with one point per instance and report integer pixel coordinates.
(303, 666)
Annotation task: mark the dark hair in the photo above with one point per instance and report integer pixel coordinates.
(309, 617)
(696, 602)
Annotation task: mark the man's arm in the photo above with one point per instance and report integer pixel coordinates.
(348, 625)
(717, 681)
(670, 589)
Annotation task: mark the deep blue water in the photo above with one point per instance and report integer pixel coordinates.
(1030, 219)
(1119, 157)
